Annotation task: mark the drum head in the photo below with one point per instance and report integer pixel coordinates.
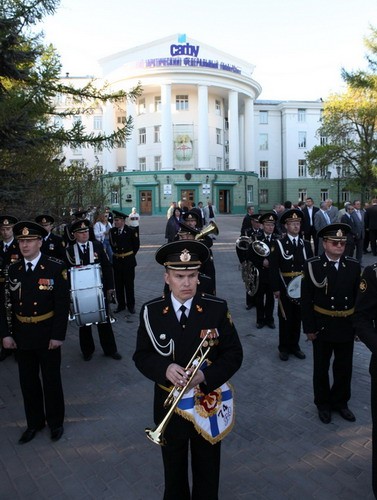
(294, 288)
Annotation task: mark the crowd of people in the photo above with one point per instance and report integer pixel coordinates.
(303, 260)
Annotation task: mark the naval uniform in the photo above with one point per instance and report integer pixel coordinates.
(40, 306)
(159, 317)
(287, 262)
(365, 323)
(327, 300)
(105, 330)
(125, 244)
(54, 246)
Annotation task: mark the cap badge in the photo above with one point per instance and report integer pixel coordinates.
(83, 225)
(44, 221)
(294, 216)
(25, 231)
(6, 222)
(339, 233)
(185, 256)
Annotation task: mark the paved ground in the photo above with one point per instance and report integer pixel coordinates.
(277, 450)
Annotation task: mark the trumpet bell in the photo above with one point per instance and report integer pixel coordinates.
(155, 436)
(210, 229)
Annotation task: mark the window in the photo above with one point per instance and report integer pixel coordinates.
(157, 103)
(324, 194)
(142, 163)
(263, 142)
(157, 133)
(263, 196)
(302, 168)
(97, 122)
(263, 169)
(301, 115)
(141, 106)
(250, 193)
(218, 136)
(157, 162)
(142, 135)
(302, 140)
(121, 120)
(218, 107)
(346, 195)
(181, 102)
(226, 124)
(263, 117)
(302, 194)
(115, 197)
(323, 140)
(219, 163)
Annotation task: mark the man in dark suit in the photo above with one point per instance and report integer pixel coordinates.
(308, 227)
(40, 302)
(351, 235)
(83, 253)
(321, 220)
(365, 324)
(52, 244)
(358, 218)
(125, 244)
(328, 294)
(286, 263)
(370, 219)
(170, 331)
(9, 253)
(246, 221)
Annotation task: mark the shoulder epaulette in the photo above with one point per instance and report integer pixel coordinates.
(54, 259)
(351, 259)
(314, 259)
(155, 301)
(212, 298)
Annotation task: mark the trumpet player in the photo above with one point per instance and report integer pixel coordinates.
(170, 331)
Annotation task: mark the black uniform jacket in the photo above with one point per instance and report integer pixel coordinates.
(100, 257)
(54, 246)
(206, 312)
(332, 291)
(365, 317)
(13, 253)
(285, 260)
(43, 291)
(257, 260)
(124, 242)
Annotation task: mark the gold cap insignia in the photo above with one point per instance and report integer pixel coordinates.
(339, 233)
(185, 256)
(44, 221)
(25, 231)
(83, 225)
(294, 216)
(6, 222)
(363, 285)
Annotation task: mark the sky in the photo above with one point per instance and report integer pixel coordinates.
(298, 47)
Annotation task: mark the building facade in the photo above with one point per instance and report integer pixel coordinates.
(200, 133)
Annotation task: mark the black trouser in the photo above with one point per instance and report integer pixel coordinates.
(106, 338)
(265, 303)
(337, 396)
(290, 325)
(373, 237)
(124, 277)
(42, 402)
(373, 374)
(205, 466)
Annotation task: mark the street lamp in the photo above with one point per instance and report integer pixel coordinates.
(338, 170)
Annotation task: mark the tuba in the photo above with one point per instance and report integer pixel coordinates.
(210, 229)
(177, 393)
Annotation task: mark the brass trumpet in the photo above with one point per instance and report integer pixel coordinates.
(177, 393)
(210, 229)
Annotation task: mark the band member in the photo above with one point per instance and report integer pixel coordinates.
(83, 253)
(125, 244)
(52, 244)
(39, 299)
(170, 331)
(287, 262)
(264, 297)
(328, 294)
(365, 323)
(68, 237)
(9, 253)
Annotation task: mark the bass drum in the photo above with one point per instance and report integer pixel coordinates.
(88, 301)
(294, 289)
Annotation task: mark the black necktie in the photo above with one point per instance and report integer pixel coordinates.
(5, 248)
(333, 265)
(294, 243)
(183, 319)
(29, 267)
(84, 249)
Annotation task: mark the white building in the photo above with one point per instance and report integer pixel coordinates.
(200, 133)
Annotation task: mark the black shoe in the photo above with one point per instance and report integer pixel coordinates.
(87, 357)
(119, 309)
(324, 416)
(299, 354)
(132, 310)
(271, 325)
(347, 414)
(29, 434)
(57, 433)
(284, 356)
(116, 355)
(260, 325)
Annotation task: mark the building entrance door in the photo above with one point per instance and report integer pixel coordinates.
(187, 197)
(224, 201)
(145, 202)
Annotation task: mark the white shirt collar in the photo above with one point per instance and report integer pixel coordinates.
(34, 261)
(177, 304)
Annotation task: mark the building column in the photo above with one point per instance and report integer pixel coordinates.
(109, 156)
(234, 143)
(167, 162)
(131, 148)
(203, 131)
(249, 164)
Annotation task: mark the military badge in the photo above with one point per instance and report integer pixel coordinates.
(199, 308)
(165, 310)
(229, 316)
(185, 256)
(65, 274)
(363, 285)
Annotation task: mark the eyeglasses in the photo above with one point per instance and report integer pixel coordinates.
(335, 243)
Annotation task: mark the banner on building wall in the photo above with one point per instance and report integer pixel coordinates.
(167, 189)
(206, 188)
(183, 136)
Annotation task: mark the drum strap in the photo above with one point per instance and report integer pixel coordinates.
(77, 255)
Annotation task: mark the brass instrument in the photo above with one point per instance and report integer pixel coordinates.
(243, 242)
(176, 394)
(249, 272)
(210, 229)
